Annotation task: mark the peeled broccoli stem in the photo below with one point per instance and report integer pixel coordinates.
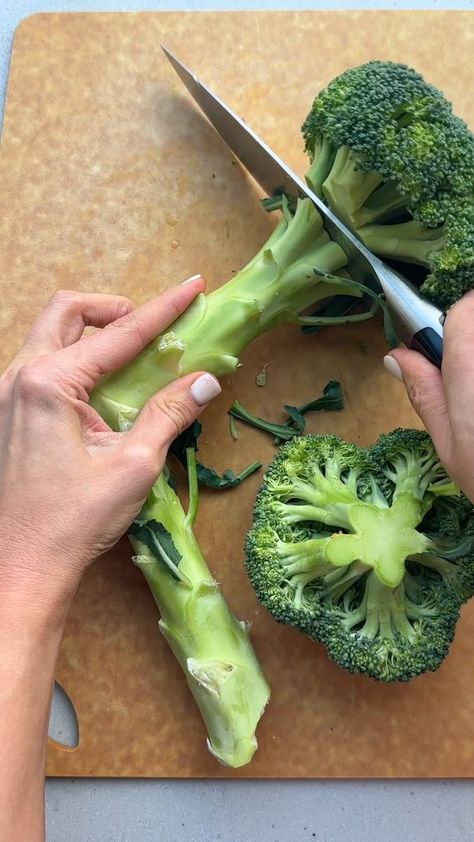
(364, 201)
(273, 288)
(212, 647)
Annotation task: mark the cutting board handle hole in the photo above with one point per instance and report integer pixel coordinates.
(63, 728)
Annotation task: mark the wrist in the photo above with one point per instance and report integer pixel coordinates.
(33, 602)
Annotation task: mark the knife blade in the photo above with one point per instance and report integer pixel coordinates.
(419, 322)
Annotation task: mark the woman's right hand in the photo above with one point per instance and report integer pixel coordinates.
(444, 399)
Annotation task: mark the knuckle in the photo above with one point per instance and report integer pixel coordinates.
(124, 306)
(414, 394)
(143, 458)
(421, 395)
(175, 412)
(34, 379)
(129, 323)
(64, 297)
(426, 403)
(175, 310)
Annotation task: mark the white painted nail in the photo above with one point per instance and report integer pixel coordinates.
(392, 367)
(205, 388)
(192, 278)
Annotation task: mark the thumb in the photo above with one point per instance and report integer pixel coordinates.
(167, 413)
(425, 390)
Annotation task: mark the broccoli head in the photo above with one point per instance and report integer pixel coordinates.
(365, 550)
(397, 166)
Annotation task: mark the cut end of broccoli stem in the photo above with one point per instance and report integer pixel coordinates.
(216, 654)
(219, 683)
(380, 538)
(239, 756)
(383, 539)
(366, 551)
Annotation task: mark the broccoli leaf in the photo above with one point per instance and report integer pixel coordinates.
(159, 541)
(297, 422)
(332, 400)
(208, 477)
(279, 431)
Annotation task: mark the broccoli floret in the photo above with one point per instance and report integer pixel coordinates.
(368, 551)
(397, 166)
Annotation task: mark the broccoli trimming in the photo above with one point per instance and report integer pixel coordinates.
(331, 400)
(397, 166)
(365, 550)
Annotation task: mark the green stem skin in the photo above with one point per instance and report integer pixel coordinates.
(409, 241)
(347, 188)
(212, 647)
(385, 611)
(323, 154)
(383, 203)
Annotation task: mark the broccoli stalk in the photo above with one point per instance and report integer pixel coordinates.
(343, 548)
(212, 647)
(293, 270)
(275, 287)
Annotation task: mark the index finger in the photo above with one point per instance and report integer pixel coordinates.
(120, 341)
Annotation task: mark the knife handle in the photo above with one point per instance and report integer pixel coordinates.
(429, 343)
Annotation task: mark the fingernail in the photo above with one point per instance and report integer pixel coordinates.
(192, 278)
(392, 367)
(205, 388)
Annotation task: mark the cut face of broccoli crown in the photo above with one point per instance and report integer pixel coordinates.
(339, 550)
(393, 161)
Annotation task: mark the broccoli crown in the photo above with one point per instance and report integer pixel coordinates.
(387, 151)
(365, 550)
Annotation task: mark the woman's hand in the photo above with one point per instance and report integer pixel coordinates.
(444, 399)
(69, 486)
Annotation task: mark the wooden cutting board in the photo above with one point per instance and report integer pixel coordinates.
(113, 182)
